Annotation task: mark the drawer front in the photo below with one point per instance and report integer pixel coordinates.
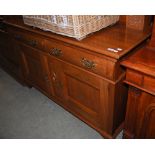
(134, 77)
(80, 58)
(149, 84)
(30, 39)
(141, 81)
(64, 51)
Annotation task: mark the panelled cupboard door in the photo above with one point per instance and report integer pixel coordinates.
(81, 91)
(57, 77)
(140, 116)
(10, 55)
(84, 93)
(147, 103)
(35, 68)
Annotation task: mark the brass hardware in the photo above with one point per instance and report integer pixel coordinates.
(88, 63)
(54, 76)
(56, 52)
(57, 83)
(32, 43)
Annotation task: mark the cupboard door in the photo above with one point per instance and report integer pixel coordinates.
(58, 79)
(140, 115)
(83, 93)
(146, 111)
(35, 68)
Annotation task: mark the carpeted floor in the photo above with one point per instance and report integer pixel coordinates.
(26, 113)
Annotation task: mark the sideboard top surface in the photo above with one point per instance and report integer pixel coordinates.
(142, 61)
(116, 36)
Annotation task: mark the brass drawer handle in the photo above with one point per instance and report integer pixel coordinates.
(54, 76)
(56, 52)
(57, 83)
(88, 63)
(32, 43)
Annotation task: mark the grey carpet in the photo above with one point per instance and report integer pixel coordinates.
(26, 113)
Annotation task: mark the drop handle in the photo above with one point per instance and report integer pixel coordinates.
(89, 64)
(54, 76)
(57, 83)
(55, 52)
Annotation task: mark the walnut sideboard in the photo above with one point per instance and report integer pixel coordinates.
(84, 77)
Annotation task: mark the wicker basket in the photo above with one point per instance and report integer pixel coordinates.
(73, 26)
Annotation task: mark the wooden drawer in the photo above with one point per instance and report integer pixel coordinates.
(134, 77)
(81, 58)
(30, 39)
(141, 81)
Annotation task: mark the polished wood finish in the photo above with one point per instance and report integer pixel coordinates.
(84, 77)
(117, 36)
(140, 76)
(10, 56)
(35, 68)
